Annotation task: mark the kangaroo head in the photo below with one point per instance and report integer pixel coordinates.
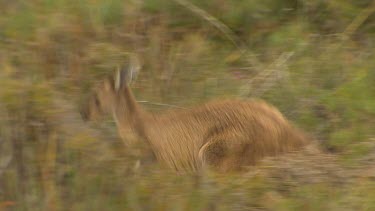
(106, 96)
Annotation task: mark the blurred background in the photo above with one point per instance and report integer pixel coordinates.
(314, 60)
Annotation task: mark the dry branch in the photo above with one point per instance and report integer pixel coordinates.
(267, 77)
(229, 34)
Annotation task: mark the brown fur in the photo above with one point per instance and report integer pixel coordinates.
(224, 135)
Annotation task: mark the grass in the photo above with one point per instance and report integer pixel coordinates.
(52, 52)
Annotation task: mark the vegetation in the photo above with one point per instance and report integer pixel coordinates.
(314, 60)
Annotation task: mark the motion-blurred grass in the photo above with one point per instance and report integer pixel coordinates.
(314, 60)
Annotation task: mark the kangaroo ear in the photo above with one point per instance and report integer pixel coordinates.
(134, 68)
(118, 79)
(125, 75)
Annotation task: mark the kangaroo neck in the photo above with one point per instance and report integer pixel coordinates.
(128, 113)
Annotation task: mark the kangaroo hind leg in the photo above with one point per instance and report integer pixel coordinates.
(224, 154)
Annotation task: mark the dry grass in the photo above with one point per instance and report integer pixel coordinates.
(53, 52)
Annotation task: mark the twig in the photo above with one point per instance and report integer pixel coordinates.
(161, 104)
(276, 66)
(5, 161)
(215, 22)
(358, 20)
(48, 172)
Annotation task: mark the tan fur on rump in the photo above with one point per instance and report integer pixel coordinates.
(224, 135)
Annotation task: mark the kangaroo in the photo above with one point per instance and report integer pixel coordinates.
(223, 135)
